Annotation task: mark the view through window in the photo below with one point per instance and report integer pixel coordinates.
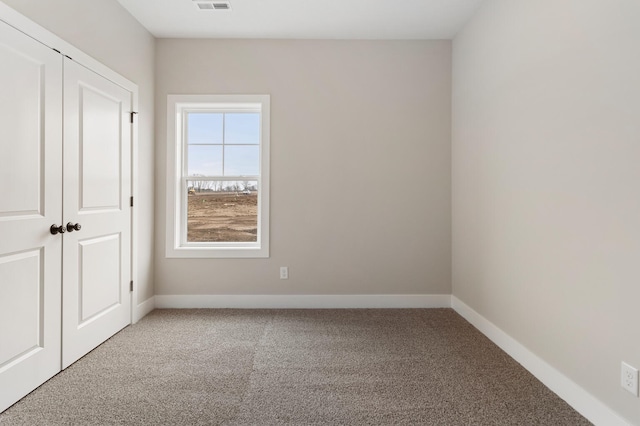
(218, 206)
(223, 169)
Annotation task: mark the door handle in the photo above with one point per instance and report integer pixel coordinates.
(73, 227)
(57, 229)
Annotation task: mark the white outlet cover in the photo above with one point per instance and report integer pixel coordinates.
(629, 378)
(284, 273)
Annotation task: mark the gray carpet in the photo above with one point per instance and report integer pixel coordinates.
(298, 367)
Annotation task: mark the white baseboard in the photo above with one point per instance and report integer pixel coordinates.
(304, 301)
(581, 400)
(143, 309)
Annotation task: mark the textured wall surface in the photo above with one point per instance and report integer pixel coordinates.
(360, 164)
(546, 183)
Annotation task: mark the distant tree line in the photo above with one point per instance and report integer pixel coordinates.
(221, 186)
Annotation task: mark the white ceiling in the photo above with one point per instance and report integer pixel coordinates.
(305, 19)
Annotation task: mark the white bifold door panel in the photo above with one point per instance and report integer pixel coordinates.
(97, 187)
(65, 216)
(30, 202)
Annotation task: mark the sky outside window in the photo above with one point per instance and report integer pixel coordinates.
(223, 144)
(204, 127)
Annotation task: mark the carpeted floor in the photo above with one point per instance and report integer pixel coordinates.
(298, 367)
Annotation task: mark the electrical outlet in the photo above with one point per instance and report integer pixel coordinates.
(629, 378)
(284, 273)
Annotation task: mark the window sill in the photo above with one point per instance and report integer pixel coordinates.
(217, 253)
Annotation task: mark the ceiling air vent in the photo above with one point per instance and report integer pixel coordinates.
(213, 5)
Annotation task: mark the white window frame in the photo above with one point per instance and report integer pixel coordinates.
(176, 208)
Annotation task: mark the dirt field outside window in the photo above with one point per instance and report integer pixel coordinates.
(222, 217)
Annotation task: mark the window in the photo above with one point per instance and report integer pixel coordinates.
(218, 176)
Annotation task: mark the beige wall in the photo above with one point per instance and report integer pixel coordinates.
(360, 164)
(546, 182)
(107, 32)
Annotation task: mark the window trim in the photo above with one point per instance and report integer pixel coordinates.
(177, 106)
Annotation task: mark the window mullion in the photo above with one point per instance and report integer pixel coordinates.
(224, 119)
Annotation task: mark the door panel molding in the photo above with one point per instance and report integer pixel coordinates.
(98, 287)
(22, 303)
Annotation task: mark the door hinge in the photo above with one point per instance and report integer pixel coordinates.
(131, 286)
(132, 114)
(131, 202)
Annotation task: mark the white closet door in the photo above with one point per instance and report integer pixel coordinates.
(30, 202)
(97, 187)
